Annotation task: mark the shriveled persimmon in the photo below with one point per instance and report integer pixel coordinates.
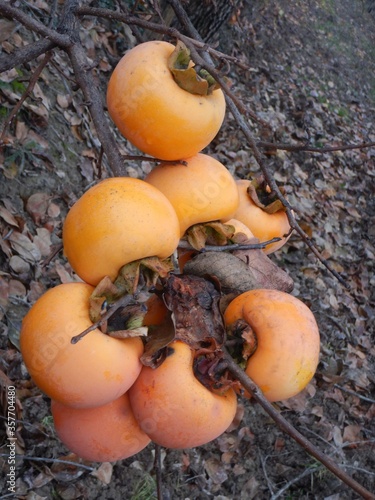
(153, 112)
(265, 226)
(287, 337)
(103, 434)
(92, 372)
(174, 408)
(117, 221)
(202, 190)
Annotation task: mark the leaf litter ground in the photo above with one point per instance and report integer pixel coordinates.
(311, 78)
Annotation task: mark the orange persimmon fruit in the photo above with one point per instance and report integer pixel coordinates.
(92, 372)
(288, 341)
(263, 225)
(103, 434)
(174, 408)
(153, 112)
(117, 221)
(202, 190)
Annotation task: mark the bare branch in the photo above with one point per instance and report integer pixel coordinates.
(226, 248)
(270, 146)
(237, 111)
(15, 14)
(121, 302)
(156, 28)
(285, 426)
(30, 87)
(25, 54)
(94, 102)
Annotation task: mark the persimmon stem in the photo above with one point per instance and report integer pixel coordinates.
(122, 302)
(288, 428)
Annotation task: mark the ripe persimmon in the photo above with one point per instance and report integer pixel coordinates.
(103, 434)
(157, 311)
(288, 341)
(153, 112)
(174, 408)
(263, 225)
(92, 372)
(117, 221)
(202, 190)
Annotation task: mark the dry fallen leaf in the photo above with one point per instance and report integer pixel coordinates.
(37, 206)
(104, 472)
(8, 217)
(25, 247)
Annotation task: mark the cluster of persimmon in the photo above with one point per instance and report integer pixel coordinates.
(106, 404)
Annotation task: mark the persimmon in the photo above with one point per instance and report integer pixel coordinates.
(103, 434)
(263, 225)
(288, 340)
(202, 190)
(117, 221)
(174, 408)
(153, 112)
(156, 311)
(92, 372)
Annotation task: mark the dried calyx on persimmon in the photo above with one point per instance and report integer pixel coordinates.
(262, 213)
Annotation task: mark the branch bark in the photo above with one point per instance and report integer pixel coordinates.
(285, 426)
(94, 102)
(25, 54)
(51, 35)
(206, 62)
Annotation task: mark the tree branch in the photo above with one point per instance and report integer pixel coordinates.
(205, 61)
(94, 102)
(25, 54)
(33, 80)
(285, 426)
(271, 146)
(15, 14)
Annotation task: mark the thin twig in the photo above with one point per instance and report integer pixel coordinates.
(94, 102)
(157, 468)
(51, 460)
(297, 479)
(224, 248)
(121, 302)
(205, 62)
(156, 28)
(353, 393)
(25, 54)
(284, 425)
(310, 149)
(33, 80)
(52, 35)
